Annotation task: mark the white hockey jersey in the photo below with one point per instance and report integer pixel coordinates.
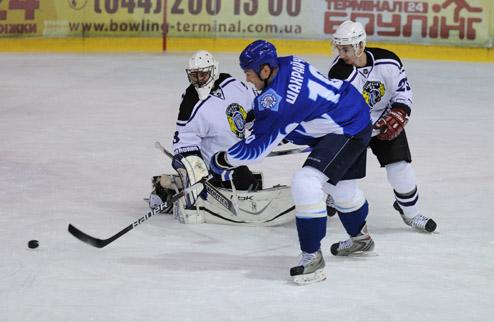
(216, 123)
(382, 82)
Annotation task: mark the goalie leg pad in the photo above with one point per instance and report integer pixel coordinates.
(268, 207)
(191, 168)
(188, 216)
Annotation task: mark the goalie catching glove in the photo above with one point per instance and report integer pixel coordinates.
(392, 124)
(221, 169)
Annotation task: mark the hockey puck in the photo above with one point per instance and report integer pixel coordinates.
(33, 244)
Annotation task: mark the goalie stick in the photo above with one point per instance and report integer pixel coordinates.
(100, 243)
(210, 189)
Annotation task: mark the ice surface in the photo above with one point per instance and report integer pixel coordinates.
(77, 135)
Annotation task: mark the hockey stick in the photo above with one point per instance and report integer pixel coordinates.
(289, 151)
(307, 149)
(100, 243)
(210, 189)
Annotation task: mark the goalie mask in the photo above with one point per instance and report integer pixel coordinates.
(349, 33)
(203, 71)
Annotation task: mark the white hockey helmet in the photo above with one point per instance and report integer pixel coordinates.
(350, 33)
(202, 71)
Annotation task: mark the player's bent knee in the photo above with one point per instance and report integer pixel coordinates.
(307, 186)
(343, 191)
(347, 196)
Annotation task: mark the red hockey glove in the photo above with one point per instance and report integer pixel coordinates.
(392, 124)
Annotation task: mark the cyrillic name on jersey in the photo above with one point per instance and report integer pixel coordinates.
(296, 80)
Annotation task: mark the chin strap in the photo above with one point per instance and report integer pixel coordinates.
(358, 56)
(269, 76)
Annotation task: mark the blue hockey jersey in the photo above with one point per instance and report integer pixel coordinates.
(302, 106)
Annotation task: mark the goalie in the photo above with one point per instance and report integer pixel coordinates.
(213, 115)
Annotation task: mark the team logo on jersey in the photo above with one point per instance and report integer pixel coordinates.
(373, 92)
(219, 93)
(269, 100)
(236, 117)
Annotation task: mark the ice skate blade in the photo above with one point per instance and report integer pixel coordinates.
(304, 279)
(423, 231)
(370, 253)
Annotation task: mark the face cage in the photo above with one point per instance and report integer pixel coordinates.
(196, 71)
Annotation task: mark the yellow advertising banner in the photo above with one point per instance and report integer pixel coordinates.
(467, 23)
(81, 18)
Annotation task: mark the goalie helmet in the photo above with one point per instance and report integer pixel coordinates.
(349, 33)
(257, 54)
(203, 70)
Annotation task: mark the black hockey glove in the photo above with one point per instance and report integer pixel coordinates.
(221, 169)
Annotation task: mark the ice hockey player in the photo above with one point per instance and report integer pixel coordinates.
(380, 76)
(212, 116)
(299, 104)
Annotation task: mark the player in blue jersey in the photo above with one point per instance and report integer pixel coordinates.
(298, 104)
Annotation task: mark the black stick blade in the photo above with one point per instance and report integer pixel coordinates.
(86, 238)
(96, 242)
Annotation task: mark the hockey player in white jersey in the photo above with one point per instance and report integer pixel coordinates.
(212, 116)
(380, 76)
(298, 104)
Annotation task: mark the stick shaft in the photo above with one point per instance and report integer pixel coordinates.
(100, 243)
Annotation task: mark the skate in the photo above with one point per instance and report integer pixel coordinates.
(418, 222)
(309, 269)
(330, 206)
(361, 245)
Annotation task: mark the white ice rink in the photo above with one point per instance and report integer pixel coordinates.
(77, 135)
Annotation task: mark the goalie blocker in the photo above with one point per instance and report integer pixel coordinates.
(267, 207)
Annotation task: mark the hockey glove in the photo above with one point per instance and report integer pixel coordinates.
(220, 168)
(160, 194)
(392, 124)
